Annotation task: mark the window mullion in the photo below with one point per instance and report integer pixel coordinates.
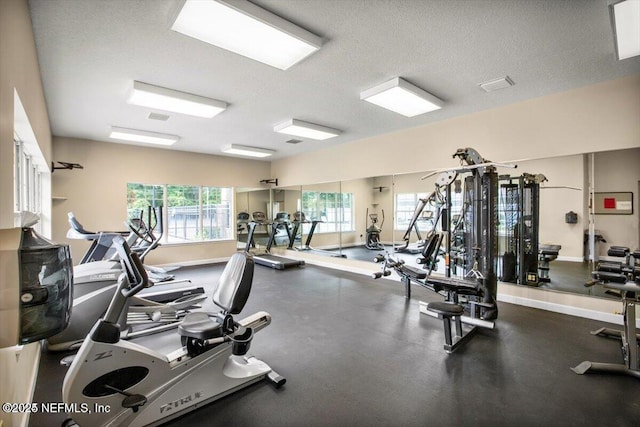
(165, 213)
(200, 219)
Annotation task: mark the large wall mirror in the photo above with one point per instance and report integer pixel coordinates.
(345, 211)
(287, 203)
(252, 204)
(367, 224)
(321, 217)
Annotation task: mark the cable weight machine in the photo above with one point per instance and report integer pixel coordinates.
(519, 206)
(471, 240)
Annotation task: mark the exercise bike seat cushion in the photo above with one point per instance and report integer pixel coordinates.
(234, 285)
(199, 325)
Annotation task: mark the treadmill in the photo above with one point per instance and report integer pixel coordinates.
(299, 219)
(268, 259)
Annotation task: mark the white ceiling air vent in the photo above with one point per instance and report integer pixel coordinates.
(294, 141)
(158, 116)
(496, 84)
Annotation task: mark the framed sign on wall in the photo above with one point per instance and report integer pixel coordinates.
(612, 203)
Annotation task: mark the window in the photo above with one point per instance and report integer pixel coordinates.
(406, 204)
(27, 178)
(192, 213)
(326, 207)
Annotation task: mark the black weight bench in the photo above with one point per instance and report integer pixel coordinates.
(446, 311)
(546, 254)
(630, 291)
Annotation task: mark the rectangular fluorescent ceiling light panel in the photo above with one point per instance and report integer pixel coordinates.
(242, 150)
(625, 17)
(135, 135)
(160, 98)
(402, 97)
(248, 30)
(306, 130)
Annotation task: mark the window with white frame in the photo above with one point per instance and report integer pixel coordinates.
(406, 204)
(191, 213)
(27, 178)
(334, 211)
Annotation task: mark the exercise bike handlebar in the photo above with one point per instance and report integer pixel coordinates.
(136, 274)
(144, 282)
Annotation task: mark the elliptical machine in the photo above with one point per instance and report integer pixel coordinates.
(141, 386)
(148, 313)
(373, 231)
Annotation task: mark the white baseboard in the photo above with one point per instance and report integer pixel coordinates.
(570, 258)
(563, 309)
(194, 263)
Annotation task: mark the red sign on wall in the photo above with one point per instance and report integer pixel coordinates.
(609, 203)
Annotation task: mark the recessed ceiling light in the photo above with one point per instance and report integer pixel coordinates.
(160, 98)
(306, 130)
(248, 30)
(242, 150)
(625, 18)
(135, 135)
(496, 84)
(402, 97)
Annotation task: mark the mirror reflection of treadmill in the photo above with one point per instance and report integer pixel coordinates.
(266, 258)
(299, 219)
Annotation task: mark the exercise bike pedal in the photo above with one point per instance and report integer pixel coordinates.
(276, 379)
(67, 360)
(131, 401)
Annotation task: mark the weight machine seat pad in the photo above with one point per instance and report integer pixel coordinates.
(618, 251)
(199, 325)
(549, 249)
(460, 286)
(412, 272)
(636, 254)
(610, 266)
(446, 309)
(607, 276)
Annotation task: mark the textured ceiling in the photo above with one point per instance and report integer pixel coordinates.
(90, 51)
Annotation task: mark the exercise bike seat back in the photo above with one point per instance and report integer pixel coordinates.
(230, 295)
(234, 285)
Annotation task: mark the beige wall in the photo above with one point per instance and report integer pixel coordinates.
(595, 118)
(556, 199)
(97, 193)
(618, 171)
(20, 72)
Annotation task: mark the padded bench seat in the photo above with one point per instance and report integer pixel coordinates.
(445, 309)
(461, 286)
(618, 251)
(412, 272)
